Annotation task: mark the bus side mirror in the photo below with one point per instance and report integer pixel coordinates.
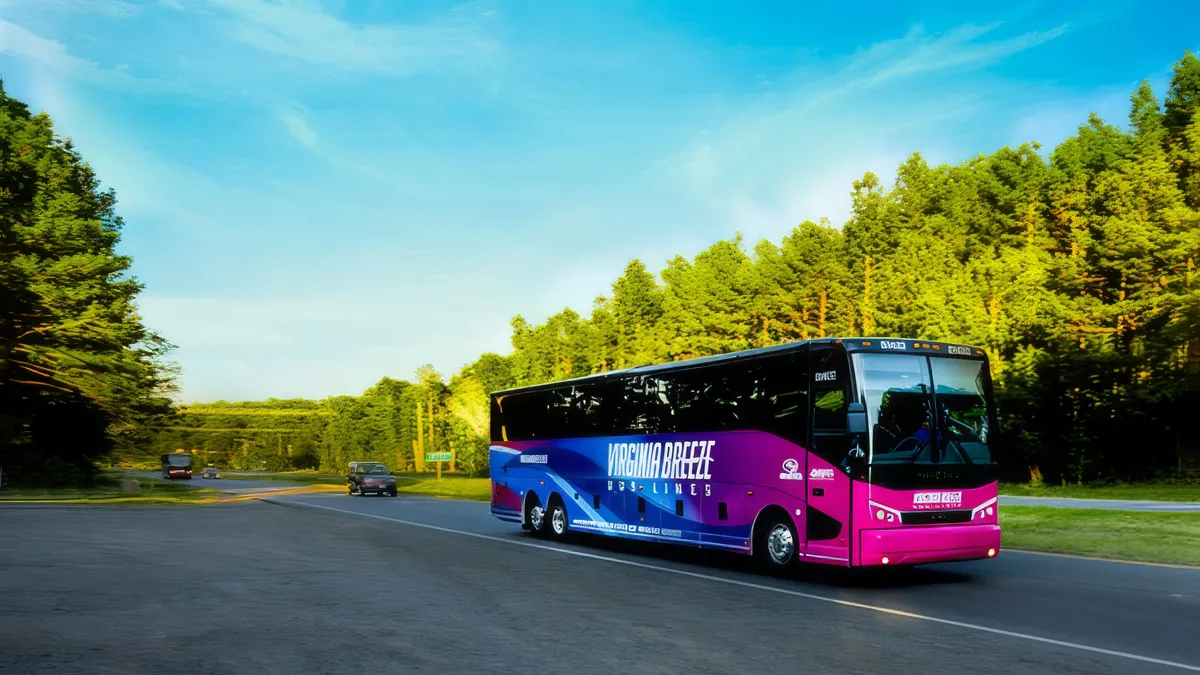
(856, 419)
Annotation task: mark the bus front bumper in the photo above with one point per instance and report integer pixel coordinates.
(918, 545)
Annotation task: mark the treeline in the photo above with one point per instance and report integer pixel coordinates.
(80, 375)
(386, 423)
(1077, 273)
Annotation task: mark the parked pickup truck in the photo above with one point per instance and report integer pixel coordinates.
(370, 477)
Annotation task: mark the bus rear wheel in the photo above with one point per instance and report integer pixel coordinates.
(775, 545)
(557, 520)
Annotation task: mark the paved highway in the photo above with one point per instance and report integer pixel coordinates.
(331, 584)
(1057, 502)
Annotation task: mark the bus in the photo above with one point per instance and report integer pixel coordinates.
(841, 451)
(177, 465)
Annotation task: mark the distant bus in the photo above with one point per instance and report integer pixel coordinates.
(852, 452)
(177, 465)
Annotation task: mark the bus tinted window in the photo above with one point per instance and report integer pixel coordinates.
(644, 404)
(497, 419)
(525, 416)
(768, 393)
(831, 388)
(588, 414)
(562, 412)
(765, 394)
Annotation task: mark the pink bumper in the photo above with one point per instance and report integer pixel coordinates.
(917, 545)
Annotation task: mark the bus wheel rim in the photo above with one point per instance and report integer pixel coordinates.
(780, 543)
(558, 520)
(535, 517)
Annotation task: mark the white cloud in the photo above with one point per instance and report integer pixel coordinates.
(53, 56)
(112, 8)
(792, 156)
(918, 53)
(301, 29)
(294, 122)
(29, 46)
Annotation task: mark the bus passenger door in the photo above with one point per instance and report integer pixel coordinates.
(827, 521)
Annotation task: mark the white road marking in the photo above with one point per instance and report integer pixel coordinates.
(760, 587)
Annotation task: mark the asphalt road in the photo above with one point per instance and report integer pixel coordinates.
(434, 586)
(250, 484)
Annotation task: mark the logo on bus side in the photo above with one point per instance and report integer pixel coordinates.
(959, 351)
(691, 460)
(791, 470)
(669, 461)
(821, 474)
(931, 498)
(828, 376)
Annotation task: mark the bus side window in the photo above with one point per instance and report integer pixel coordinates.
(830, 397)
(588, 415)
(831, 388)
(497, 420)
(645, 405)
(531, 416)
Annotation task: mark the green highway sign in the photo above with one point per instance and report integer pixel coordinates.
(439, 457)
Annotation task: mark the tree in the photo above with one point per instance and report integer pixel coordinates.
(79, 373)
(636, 307)
(1183, 98)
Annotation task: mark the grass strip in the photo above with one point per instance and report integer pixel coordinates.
(1121, 535)
(1156, 491)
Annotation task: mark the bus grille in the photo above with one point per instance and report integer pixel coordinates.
(935, 517)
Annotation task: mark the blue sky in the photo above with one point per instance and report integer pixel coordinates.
(318, 194)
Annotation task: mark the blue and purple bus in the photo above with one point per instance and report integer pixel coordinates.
(852, 452)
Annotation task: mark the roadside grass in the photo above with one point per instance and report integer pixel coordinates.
(1123, 535)
(1152, 491)
(107, 490)
(456, 487)
(305, 477)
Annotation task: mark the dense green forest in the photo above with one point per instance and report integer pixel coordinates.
(80, 376)
(1075, 269)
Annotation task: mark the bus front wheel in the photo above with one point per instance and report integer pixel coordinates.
(775, 543)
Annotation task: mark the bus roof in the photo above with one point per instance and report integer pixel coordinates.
(855, 344)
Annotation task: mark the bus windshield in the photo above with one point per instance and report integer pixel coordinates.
(925, 410)
(183, 461)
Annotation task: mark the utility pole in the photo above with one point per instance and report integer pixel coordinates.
(419, 448)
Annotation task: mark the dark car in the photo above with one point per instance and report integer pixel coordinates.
(370, 477)
(210, 473)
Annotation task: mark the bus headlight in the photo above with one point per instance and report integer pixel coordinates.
(879, 514)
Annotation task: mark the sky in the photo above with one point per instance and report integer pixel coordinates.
(317, 194)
